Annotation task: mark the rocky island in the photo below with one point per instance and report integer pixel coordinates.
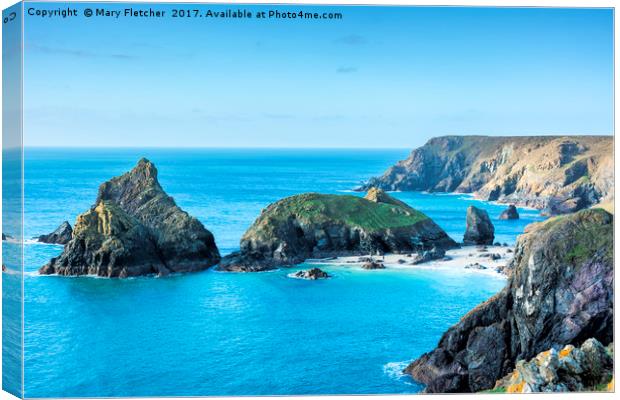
(315, 225)
(311, 274)
(135, 228)
(61, 235)
(556, 174)
(509, 213)
(479, 228)
(560, 293)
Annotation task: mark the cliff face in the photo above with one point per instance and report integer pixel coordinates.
(560, 292)
(135, 228)
(318, 225)
(555, 174)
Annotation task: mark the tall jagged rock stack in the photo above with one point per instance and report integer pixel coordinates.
(135, 228)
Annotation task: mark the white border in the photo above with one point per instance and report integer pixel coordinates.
(480, 3)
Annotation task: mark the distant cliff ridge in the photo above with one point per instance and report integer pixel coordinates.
(557, 174)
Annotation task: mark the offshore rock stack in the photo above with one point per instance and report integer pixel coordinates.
(62, 235)
(480, 229)
(134, 228)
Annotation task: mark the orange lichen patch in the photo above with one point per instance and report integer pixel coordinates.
(515, 383)
(516, 387)
(610, 385)
(565, 351)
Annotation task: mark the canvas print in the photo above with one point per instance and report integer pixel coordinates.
(254, 199)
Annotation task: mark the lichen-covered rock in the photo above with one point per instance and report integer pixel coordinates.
(589, 367)
(509, 213)
(311, 274)
(133, 229)
(560, 292)
(479, 229)
(316, 225)
(557, 174)
(61, 235)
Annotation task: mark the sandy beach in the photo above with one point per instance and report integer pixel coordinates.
(475, 259)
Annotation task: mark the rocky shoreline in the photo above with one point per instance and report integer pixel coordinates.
(560, 292)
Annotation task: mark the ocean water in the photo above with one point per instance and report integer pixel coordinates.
(214, 333)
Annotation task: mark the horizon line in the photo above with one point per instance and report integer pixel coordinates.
(204, 147)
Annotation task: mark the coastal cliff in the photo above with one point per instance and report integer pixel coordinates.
(135, 228)
(316, 225)
(560, 292)
(556, 174)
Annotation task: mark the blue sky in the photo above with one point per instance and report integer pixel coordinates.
(380, 77)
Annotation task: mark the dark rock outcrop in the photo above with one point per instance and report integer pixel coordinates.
(480, 229)
(133, 229)
(557, 174)
(560, 292)
(475, 266)
(509, 213)
(311, 274)
(373, 264)
(316, 225)
(428, 255)
(61, 235)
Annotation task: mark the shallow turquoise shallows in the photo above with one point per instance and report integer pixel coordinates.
(214, 333)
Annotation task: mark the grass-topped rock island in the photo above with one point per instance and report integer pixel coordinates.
(313, 225)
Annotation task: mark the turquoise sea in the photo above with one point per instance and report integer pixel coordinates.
(214, 333)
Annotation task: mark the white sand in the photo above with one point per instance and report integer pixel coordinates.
(460, 258)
